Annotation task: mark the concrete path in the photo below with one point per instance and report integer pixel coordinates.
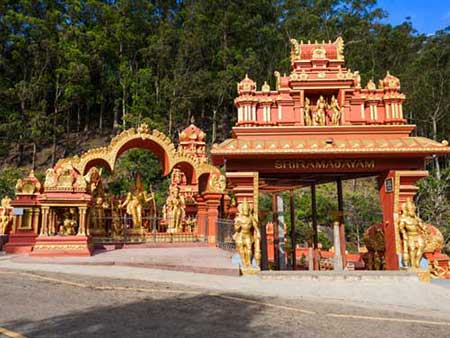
(406, 295)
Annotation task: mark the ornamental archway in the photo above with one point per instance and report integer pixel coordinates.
(157, 143)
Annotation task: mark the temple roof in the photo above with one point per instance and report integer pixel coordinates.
(358, 146)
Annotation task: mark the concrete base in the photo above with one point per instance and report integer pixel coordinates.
(339, 275)
(50, 246)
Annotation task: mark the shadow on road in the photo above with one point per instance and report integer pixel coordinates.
(178, 316)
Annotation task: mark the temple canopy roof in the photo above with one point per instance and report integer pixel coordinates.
(322, 108)
(356, 145)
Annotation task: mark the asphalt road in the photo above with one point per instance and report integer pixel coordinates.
(48, 304)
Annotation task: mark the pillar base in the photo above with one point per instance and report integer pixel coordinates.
(20, 242)
(51, 246)
(251, 270)
(423, 274)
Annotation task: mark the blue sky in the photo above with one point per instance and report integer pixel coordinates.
(427, 16)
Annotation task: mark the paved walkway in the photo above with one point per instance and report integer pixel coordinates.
(406, 295)
(193, 259)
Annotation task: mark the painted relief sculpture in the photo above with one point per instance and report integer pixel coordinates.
(247, 235)
(307, 112)
(175, 210)
(335, 111)
(5, 216)
(320, 113)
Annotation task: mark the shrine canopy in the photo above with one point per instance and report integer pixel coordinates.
(320, 119)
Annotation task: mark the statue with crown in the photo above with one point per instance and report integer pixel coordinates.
(136, 199)
(247, 238)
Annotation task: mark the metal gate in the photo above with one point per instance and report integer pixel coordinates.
(225, 230)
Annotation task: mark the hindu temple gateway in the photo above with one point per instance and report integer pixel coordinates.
(319, 124)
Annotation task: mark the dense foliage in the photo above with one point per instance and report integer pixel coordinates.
(79, 70)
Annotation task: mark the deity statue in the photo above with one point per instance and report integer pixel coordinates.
(371, 85)
(412, 232)
(357, 79)
(335, 111)
(320, 114)
(307, 112)
(134, 203)
(437, 271)
(278, 79)
(117, 228)
(174, 210)
(247, 236)
(69, 223)
(5, 217)
(98, 213)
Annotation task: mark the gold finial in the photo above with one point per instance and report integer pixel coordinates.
(192, 119)
(265, 87)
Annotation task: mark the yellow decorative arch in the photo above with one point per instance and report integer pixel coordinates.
(154, 141)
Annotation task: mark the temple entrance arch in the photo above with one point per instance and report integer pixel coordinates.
(188, 165)
(59, 211)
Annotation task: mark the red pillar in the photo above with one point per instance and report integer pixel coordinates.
(202, 218)
(395, 187)
(212, 204)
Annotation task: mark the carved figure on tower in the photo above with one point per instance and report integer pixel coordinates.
(412, 232)
(307, 112)
(320, 113)
(135, 201)
(5, 217)
(336, 113)
(247, 235)
(174, 210)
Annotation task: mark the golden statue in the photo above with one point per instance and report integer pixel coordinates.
(335, 112)
(437, 271)
(320, 114)
(174, 210)
(5, 217)
(278, 79)
(69, 223)
(307, 112)
(247, 236)
(117, 227)
(412, 233)
(134, 203)
(98, 213)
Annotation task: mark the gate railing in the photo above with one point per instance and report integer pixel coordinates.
(120, 229)
(225, 231)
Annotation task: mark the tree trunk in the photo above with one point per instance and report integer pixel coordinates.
(437, 166)
(33, 157)
(55, 114)
(78, 118)
(116, 117)
(21, 145)
(214, 127)
(86, 120)
(100, 119)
